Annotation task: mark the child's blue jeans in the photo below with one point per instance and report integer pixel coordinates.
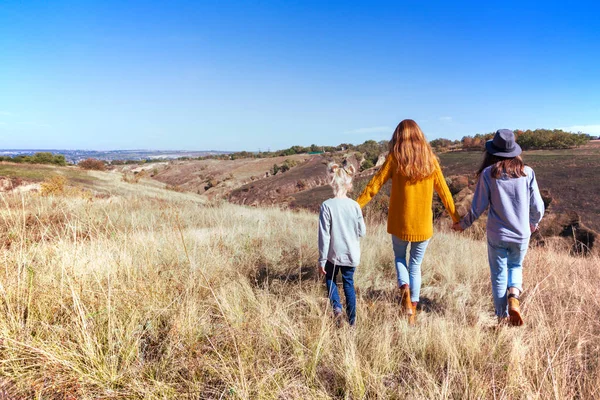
(506, 270)
(409, 273)
(348, 285)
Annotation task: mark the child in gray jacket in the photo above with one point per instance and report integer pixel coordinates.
(341, 225)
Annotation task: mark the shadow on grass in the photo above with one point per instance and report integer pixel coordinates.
(431, 306)
(379, 295)
(266, 276)
(392, 296)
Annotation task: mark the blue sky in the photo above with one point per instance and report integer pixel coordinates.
(231, 75)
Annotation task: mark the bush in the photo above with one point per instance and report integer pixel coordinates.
(543, 139)
(476, 142)
(48, 158)
(211, 184)
(38, 158)
(550, 139)
(92, 164)
(287, 165)
(441, 145)
(133, 178)
(53, 186)
(175, 188)
(301, 184)
(366, 165)
(371, 150)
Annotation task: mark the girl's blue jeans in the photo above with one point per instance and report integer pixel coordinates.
(409, 273)
(348, 285)
(506, 270)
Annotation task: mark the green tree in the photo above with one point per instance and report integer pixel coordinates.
(366, 165)
(42, 158)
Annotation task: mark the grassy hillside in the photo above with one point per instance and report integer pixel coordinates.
(39, 172)
(147, 295)
(570, 175)
(217, 178)
(95, 184)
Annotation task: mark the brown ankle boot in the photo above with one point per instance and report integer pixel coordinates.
(405, 300)
(514, 311)
(412, 318)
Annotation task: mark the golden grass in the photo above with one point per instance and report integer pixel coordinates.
(151, 294)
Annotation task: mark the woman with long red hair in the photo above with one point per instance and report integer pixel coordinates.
(415, 173)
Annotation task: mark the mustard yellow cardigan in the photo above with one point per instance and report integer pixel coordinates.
(410, 216)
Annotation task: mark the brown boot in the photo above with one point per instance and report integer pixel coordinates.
(514, 311)
(405, 300)
(412, 318)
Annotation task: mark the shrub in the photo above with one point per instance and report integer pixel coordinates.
(301, 184)
(211, 184)
(287, 165)
(37, 158)
(529, 140)
(175, 188)
(92, 164)
(53, 186)
(366, 164)
(133, 177)
(550, 139)
(48, 158)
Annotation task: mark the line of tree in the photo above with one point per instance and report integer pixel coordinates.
(37, 158)
(538, 139)
(550, 139)
(92, 164)
(144, 161)
(371, 149)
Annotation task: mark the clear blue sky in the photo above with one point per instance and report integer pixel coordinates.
(231, 75)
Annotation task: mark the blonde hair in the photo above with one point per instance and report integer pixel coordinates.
(412, 152)
(341, 177)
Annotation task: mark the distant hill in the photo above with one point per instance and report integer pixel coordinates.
(74, 156)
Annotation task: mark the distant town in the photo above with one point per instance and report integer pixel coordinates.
(74, 156)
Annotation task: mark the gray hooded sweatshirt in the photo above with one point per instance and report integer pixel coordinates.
(341, 224)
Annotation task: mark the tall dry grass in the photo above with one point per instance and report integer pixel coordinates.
(140, 296)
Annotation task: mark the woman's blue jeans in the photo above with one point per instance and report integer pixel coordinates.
(506, 270)
(409, 273)
(348, 285)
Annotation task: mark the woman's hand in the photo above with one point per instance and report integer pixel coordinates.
(456, 227)
(321, 269)
(533, 228)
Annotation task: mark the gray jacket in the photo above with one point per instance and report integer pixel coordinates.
(341, 224)
(514, 204)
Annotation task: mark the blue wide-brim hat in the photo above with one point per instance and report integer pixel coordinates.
(503, 144)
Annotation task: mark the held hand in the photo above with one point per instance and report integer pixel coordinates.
(456, 227)
(533, 228)
(321, 269)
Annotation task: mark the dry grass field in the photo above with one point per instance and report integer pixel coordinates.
(146, 293)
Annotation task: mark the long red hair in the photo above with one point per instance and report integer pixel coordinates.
(412, 152)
